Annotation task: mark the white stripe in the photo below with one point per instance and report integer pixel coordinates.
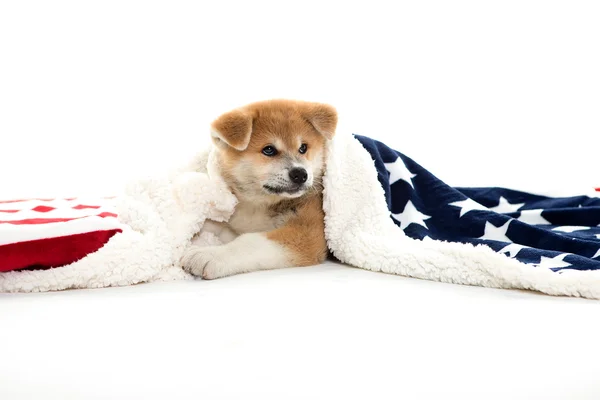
(10, 233)
(57, 203)
(58, 213)
(558, 191)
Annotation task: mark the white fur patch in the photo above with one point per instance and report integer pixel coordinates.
(247, 253)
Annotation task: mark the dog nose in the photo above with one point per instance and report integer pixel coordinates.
(298, 175)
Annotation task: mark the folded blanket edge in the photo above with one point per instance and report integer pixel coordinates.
(361, 233)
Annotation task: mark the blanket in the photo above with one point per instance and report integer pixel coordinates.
(386, 213)
(383, 212)
(557, 233)
(157, 218)
(45, 233)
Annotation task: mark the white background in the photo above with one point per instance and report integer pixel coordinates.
(481, 93)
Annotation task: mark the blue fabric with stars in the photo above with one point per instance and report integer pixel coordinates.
(546, 232)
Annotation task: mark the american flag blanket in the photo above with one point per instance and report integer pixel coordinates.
(384, 212)
(557, 233)
(137, 236)
(45, 233)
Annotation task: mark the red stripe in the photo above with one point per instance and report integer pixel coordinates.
(22, 200)
(598, 189)
(9, 211)
(83, 207)
(43, 209)
(34, 221)
(53, 252)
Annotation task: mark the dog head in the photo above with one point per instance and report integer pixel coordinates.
(274, 149)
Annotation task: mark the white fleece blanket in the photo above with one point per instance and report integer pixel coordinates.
(164, 213)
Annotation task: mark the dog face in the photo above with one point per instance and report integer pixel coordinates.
(274, 149)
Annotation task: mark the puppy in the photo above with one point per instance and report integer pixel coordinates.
(271, 154)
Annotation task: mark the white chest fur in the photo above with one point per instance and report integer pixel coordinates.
(250, 217)
(247, 218)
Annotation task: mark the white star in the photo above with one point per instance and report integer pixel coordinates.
(467, 205)
(492, 232)
(598, 236)
(570, 229)
(553, 262)
(505, 207)
(410, 215)
(597, 254)
(399, 172)
(533, 217)
(512, 249)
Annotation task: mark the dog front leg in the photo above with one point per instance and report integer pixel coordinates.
(246, 253)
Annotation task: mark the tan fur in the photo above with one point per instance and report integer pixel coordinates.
(233, 128)
(304, 234)
(273, 116)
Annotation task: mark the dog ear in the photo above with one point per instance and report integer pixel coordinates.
(233, 128)
(323, 118)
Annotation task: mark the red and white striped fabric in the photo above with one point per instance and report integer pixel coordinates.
(45, 233)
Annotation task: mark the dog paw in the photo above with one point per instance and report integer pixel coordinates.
(206, 262)
(195, 259)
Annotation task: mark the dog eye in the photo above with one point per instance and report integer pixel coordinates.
(303, 148)
(269, 151)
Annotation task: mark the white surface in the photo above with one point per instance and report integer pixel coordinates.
(481, 93)
(327, 332)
